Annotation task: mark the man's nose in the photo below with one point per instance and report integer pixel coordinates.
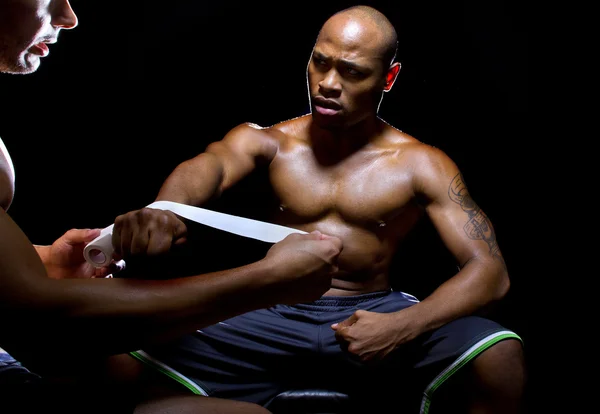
(331, 82)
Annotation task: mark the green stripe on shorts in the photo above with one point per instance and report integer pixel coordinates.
(461, 361)
(169, 372)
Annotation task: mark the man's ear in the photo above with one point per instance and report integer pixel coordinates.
(391, 76)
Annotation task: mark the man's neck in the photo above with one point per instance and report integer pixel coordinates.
(334, 144)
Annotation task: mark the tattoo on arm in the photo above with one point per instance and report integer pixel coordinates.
(478, 227)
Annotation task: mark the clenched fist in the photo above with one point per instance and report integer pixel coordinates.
(147, 231)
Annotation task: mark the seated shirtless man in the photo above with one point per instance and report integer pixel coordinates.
(344, 171)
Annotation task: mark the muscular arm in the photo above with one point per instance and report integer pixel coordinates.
(468, 234)
(51, 319)
(194, 182)
(223, 164)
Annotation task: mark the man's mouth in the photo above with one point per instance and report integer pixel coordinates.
(326, 106)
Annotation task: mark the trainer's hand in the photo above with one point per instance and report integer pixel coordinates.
(64, 259)
(304, 265)
(147, 231)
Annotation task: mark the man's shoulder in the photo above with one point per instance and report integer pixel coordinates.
(414, 155)
(246, 133)
(406, 144)
(255, 130)
(291, 128)
(281, 132)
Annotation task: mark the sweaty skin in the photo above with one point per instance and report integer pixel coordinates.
(344, 171)
(346, 197)
(370, 196)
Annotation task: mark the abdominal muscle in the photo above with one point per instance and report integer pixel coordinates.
(364, 260)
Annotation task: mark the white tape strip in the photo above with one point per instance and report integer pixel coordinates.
(100, 250)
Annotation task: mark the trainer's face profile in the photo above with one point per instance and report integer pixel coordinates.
(27, 27)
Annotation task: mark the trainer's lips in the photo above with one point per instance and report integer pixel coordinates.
(41, 48)
(326, 106)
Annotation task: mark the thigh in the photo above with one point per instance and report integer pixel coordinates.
(446, 354)
(414, 372)
(194, 404)
(244, 358)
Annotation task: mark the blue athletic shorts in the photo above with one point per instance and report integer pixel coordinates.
(257, 355)
(13, 373)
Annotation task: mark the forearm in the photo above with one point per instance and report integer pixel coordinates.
(194, 182)
(478, 285)
(120, 315)
(113, 315)
(101, 317)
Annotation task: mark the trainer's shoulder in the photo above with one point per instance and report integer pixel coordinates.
(7, 178)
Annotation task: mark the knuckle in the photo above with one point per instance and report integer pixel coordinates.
(144, 214)
(163, 220)
(119, 220)
(169, 215)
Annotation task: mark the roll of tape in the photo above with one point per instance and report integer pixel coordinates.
(99, 251)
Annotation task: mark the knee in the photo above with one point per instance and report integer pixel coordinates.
(501, 366)
(508, 353)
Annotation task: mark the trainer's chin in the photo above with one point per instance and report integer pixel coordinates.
(27, 63)
(31, 62)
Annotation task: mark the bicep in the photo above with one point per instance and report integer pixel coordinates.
(462, 225)
(218, 168)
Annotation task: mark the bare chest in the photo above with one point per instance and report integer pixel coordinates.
(363, 189)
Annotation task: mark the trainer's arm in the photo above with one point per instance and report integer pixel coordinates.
(223, 164)
(70, 317)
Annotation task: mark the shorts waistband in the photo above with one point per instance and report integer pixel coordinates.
(342, 301)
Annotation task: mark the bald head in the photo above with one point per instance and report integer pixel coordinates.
(366, 19)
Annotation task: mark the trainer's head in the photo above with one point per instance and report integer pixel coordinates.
(351, 65)
(26, 29)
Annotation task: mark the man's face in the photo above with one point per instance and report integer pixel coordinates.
(26, 29)
(346, 74)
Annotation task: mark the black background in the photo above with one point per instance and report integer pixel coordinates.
(137, 88)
